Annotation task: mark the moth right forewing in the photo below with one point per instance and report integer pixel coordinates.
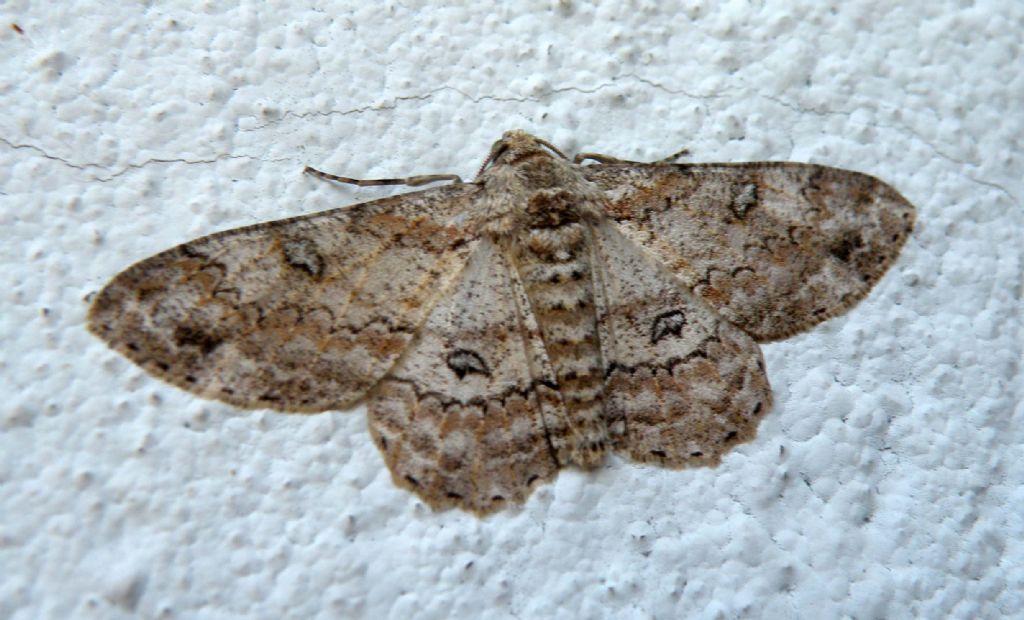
(775, 247)
(302, 314)
(682, 385)
(460, 419)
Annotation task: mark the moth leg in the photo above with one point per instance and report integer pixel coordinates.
(671, 159)
(599, 158)
(608, 159)
(410, 181)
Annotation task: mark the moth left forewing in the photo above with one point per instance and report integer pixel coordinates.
(682, 385)
(303, 314)
(774, 247)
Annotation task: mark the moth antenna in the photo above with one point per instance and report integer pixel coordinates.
(552, 148)
(496, 151)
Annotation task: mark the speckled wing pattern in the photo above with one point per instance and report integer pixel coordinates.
(774, 247)
(461, 418)
(540, 316)
(303, 314)
(682, 385)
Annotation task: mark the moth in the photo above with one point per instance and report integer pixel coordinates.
(547, 313)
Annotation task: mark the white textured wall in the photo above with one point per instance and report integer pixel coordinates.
(886, 483)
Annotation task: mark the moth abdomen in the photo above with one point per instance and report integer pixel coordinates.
(554, 262)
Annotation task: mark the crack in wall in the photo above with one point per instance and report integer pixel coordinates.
(396, 101)
(153, 160)
(901, 127)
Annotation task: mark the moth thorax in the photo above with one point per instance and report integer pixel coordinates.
(552, 208)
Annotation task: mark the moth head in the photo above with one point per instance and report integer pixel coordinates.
(515, 145)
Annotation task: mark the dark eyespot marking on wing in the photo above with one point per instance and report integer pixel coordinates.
(193, 336)
(464, 362)
(667, 324)
(744, 200)
(847, 245)
(302, 254)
